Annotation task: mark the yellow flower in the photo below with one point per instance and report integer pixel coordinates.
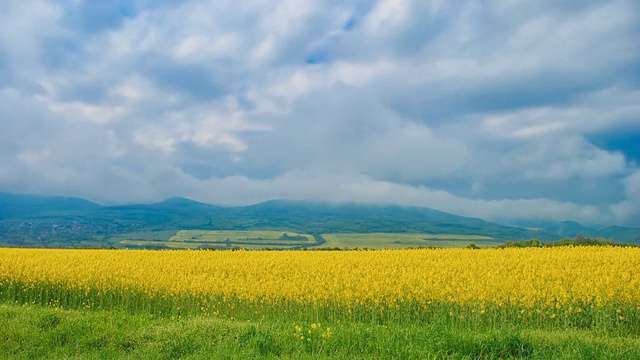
(537, 280)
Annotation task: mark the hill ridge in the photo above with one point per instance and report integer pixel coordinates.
(96, 221)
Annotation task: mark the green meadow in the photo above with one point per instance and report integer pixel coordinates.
(34, 331)
(404, 240)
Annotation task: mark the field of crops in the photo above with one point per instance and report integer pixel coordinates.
(253, 236)
(404, 240)
(315, 294)
(265, 239)
(216, 239)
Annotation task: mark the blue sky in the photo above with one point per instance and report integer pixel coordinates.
(505, 110)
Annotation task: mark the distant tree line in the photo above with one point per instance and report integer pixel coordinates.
(580, 240)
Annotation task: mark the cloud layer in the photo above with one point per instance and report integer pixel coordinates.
(506, 110)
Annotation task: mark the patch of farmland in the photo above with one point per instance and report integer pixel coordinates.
(249, 236)
(405, 240)
(161, 235)
(216, 239)
(159, 244)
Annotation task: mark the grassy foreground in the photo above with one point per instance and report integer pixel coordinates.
(565, 303)
(31, 332)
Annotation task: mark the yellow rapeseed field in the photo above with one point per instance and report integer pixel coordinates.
(527, 278)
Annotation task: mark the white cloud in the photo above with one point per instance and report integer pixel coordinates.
(628, 211)
(24, 28)
(84, 111)
(428, 103)
(596, 111)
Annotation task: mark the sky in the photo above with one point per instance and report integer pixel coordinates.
(513, 111)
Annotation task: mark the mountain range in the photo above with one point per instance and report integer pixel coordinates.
(30, 220)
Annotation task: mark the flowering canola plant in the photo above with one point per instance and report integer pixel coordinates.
(527, 278)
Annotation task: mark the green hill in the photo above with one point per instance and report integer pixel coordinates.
(28, 220)
(621, 234)
(18, 205)
(571, 229)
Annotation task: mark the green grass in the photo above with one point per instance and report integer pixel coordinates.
(404, 240)
(39, 332)
(53, 321)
